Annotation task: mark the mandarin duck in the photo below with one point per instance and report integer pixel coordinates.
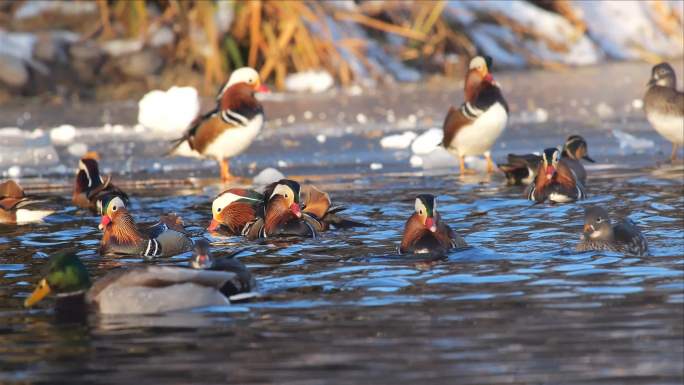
(600, 234)
(122, 236)
(16, 206)
(283, 214)
(473, 128)
(555, 181)
(202, 259)
(234, 209)
(89, 186)
(425, 232)
(664, 105)
(138, 290)
(230, 128)
(522, 169)
(317, 204)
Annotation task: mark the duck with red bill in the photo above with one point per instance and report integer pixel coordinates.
(425, 232)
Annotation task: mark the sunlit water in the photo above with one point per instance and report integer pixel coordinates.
(519, 306)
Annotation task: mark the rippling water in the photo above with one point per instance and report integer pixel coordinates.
(519, 306)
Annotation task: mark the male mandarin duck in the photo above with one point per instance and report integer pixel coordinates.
(600, 234)
(555, 181)
(425, 232)
(139, 290)
(317, 204)
(16, 207)
(202, 259)
(283, 214)
(89, 186)
(522, 169)
(123, 236)
(473, 128)
(234, 209)
(664, 105)
(230, 128)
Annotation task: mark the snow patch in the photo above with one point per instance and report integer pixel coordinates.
(169, 111)
(63, 134)
(309, 81)
(401, 141)
(268, 176)
(428, 141)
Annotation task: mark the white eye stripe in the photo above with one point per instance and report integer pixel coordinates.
(225, 199)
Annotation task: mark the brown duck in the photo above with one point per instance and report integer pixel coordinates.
(122, 236)
(234, 209)
(425, 232)
(555, 181)
(89, 186)
(16, 207)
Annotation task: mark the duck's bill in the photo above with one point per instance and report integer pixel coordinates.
(38, 294)
(588, 159)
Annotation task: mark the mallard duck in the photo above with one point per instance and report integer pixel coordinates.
(122, 235)
(600, 234)
(139, 290)
(202, 259)
(89, 186)
(230, 128)
(555, 181)
(16, 208)
(425, 232)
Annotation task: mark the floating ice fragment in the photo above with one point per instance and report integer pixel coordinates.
(308, 115)
(63, 134)
(169, 111)
(309, 81)
(604, 111)
(427, 142)
(361, 118)
(77, 149)
(637, 104)
(416, 161)
(14, 172)
(376, 166)
(628, 141)
(267, 176)
(282, 163)
(320, 138)
(400, 141)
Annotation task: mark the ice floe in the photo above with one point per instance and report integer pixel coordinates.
(309, 81)
(427, 142)
(169, 111)
(631, 142)
(267, 176)
(400, 141)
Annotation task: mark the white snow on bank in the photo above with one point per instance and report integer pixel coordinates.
(628, 29)
(309, 81)
(400, 141)
(427, 142)
(63, 134)
(169, 111)
(267, 176)
(631, 142)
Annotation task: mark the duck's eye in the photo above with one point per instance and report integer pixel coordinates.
(420, 212)
(218, 209)
(250, 80)
(114, 208)
(286, 195)
(599, 220)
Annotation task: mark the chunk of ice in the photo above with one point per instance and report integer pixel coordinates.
(63, 134)
(631, 142)
(309, 81)
(267, 176)
(427, 142)
(169, 111)
(400, 141)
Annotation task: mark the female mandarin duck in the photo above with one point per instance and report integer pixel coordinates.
(473, 128)
(140, 290)
(234, 209)
(600, 234)
(89, 186)
(555, 181)
(522, 169)
(425, 232)
(202, 259)
(230, 128)
(664, 105)
(15, 206)
(122, 235)
(283, 214)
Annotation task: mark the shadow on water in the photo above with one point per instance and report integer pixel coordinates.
(518, 306)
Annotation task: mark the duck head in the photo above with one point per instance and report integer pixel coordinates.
(65, 274)
(88, 173)
(550, 158)
(234, 208)
(110, 207)
(575, 147)
(284, 193)
(425, 207)
(663, 75)
(201, 258)
(597, 224)
(246, 75)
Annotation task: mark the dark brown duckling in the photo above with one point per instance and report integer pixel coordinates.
(89, 185)
(425, 232)
(600, 234)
